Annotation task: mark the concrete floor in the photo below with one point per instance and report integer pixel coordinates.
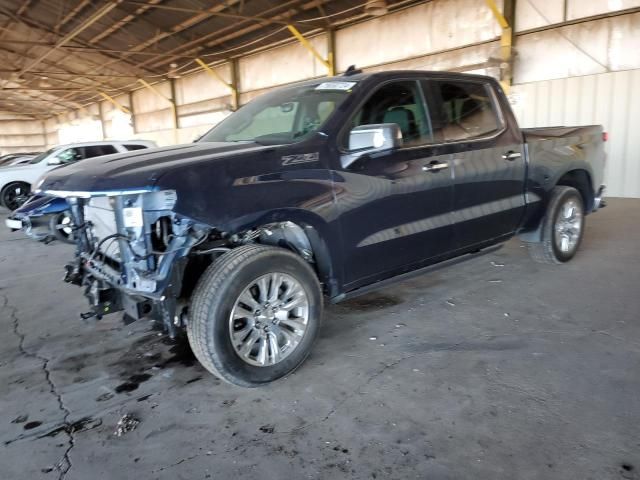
(497, 368)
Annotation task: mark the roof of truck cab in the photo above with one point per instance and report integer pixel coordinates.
(390, 75)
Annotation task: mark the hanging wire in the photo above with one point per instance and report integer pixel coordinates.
(332, 14)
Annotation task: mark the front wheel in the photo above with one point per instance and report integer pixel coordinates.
(255, 315)
(61, 225)
(562, 227)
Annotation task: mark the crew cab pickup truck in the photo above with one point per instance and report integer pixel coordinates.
(330, 187)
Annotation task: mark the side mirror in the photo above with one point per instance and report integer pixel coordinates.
(367, 139)
(54, 161)
(375, 138)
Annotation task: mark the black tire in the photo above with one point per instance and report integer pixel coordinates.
(214, 297)
(548, 251)
(14, 194)
(60, 234)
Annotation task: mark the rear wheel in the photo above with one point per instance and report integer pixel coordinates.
(14, 195)
(61, 225)
(255, 315)
(562, 227)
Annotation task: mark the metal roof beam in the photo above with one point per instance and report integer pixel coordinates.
(35, 25)
(124, 21)
(71, 35)
(234, 16)
(69, 16)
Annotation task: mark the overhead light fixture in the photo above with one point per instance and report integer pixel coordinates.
(173, 73)
(376, 8)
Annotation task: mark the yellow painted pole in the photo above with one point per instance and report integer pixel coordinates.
(497, 13)
(506, 40)
(306, 44)
(218, 77)
(115, 103)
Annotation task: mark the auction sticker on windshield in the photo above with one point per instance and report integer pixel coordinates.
(343, 86)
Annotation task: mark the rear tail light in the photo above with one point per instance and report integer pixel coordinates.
(605, 136)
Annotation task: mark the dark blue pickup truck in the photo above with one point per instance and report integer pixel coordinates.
(330, 187)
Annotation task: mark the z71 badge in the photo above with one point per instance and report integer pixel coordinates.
(300, 158)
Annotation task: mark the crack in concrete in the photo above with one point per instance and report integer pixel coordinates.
(64, 466)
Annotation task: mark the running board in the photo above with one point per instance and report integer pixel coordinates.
(415, 273)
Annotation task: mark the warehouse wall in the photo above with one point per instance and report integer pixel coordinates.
(21, 136)
(610, 99)
(553, 48)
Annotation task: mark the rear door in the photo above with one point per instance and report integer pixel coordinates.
(395, 205)
(486, 156)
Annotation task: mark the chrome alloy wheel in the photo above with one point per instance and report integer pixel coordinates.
(64, 225)
(568, 227)
(269, 319)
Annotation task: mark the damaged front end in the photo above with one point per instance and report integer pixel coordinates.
(132, 251)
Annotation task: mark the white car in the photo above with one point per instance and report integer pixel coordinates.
(16, 181)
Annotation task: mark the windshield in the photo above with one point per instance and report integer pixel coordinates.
(42, 156)
(284, 116)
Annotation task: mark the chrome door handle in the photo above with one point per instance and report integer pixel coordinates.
(435, 166)
(511, 156)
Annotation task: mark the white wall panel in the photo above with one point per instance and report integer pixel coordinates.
(577, 50)
(145, 100)
(538, 13)
(610, 99)
(428, 28)
(202, 86)
(586, 8)
(462, 57)
(282, 65)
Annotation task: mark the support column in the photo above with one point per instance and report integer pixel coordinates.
(506, 39)
(101, 115)
(235, 84)
(331, 51)
(132, 113)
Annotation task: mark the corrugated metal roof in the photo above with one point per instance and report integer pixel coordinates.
(55, 55)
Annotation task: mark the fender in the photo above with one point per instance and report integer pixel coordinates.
(323, 237)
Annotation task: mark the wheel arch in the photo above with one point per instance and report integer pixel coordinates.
(320, 234)
(580, 179)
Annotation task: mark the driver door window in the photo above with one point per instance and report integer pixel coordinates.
(68, 156)
(400, 103)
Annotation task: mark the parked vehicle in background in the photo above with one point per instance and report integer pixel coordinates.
(16, 181)
(14, 158)
(336, 186)
(20, 160)
(43, 218)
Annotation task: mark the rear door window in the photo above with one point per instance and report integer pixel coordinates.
(134, 146)
(91, 151)
(463, 110)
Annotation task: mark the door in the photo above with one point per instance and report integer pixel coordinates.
(486, 156)
(395, 205)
